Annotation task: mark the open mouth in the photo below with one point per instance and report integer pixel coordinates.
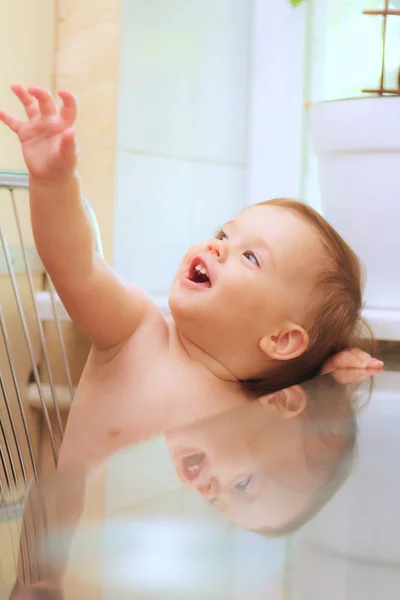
(192, 465)
(198, 273)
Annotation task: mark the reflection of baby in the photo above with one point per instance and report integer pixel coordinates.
(270, 466)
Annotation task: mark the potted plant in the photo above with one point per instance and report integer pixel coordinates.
(357, 144)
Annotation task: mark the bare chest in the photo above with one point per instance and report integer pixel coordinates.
(140, 393)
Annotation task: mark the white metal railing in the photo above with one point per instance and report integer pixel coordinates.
(15, 464)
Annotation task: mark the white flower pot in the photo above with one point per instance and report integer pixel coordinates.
(357, 143)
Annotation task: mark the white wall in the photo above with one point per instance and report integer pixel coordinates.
(276, 118)
(183, 106)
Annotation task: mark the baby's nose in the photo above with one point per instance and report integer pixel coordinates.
(209, 489)
(215, 247)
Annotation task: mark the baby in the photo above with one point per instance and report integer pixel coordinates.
(259, 307)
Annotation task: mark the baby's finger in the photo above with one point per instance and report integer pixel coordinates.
(343, 360)
(46, 102)
(11, 122)
(366, 360)
(347, 376)
(29, 102)
(69, 107)
(350, 376)
(362, 356)
(68, 148)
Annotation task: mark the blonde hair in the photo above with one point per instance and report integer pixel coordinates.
(334, 320)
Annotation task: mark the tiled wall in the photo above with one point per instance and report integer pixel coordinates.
(87, 63)
(182, 130)
(277, 108)
(27, 51)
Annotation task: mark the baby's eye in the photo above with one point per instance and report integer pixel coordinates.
(242, 486)
(221, 235)
(251, 257)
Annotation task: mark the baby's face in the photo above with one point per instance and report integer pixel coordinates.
(256, 273)
(249, 464)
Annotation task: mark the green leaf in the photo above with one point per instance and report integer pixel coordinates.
(296, 2)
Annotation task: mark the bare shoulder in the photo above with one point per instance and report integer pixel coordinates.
(153, 332)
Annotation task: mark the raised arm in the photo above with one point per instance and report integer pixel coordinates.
(100, 304)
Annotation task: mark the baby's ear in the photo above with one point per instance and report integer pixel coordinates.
(288, 343)
(288, 403)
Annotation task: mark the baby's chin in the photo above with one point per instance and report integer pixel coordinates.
(177, 303)
(190, 314)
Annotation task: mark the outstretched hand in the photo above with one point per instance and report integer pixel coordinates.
(48, 136)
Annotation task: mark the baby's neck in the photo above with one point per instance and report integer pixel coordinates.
(187, 350)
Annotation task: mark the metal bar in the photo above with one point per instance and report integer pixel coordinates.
(382, 91)
(4, 462)
(9, 453)
(8, 508)
(384, 31)
(2, 576)
(10, 502)
(30, 543)
(38, 320)
(61, 338)
(17, 392)
(10, 457)
(14, 431)
(28, 340)
(386, 12)
(14, 180)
